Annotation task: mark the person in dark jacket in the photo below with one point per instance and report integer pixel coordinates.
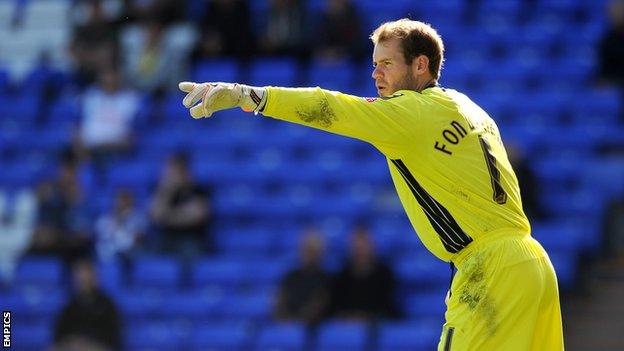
(364, 288)
(90, 320)
(303, 293)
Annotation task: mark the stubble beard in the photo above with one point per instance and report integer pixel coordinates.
(407, 82)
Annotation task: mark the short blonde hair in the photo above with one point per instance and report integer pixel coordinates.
(416, 38)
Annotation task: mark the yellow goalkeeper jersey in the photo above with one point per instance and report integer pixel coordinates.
(445, 155)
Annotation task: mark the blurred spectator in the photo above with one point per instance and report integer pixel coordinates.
(611, 49)
(62, 223)
(165, 12)
(285, 30)
(119, 233)
(17, 221)
(181, 210)
(304, 291)
(339, 32)
(94, 40)
(149, 63)
(108, 113)
(225, 31)
(364, 288)
(529, 186)
(90, 320)
(613, 235)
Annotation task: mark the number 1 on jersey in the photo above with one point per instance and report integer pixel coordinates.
(500, 196)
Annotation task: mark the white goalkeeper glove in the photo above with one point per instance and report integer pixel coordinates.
(220, 96)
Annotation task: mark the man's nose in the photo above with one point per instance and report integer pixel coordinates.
(376, 73)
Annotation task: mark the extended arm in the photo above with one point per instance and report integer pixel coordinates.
(383, 122)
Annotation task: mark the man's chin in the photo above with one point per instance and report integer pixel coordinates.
(384, 92)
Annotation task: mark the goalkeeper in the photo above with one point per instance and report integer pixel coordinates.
(452, 175)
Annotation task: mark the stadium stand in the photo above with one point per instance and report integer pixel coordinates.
(524, 62)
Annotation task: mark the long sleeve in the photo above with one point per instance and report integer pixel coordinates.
(387, 123)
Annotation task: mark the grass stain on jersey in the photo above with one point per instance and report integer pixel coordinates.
(320, 114)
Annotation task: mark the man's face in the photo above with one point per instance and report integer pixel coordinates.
(362, 248)
(176, 172)
(391, 73)
(311, 250)
(616, 13)
(109, 81)
(124, 202)
(85, 277)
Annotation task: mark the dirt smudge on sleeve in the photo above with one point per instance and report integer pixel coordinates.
(320, 114)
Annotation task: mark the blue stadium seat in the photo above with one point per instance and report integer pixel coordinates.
(110, 275)
(605, 176)
(421, 270)
(443, 19)
(173, 109)
(35, 304)
(215, 71)
(214, 272)
(43, 272)
(218, 173)
(596, 103)
(196, 10)
(412, 336)
(454, 77)
(560, 7)
(105, 200)
(220, 336)
(271, 270)
(260, 206)
(154, 335)
(507, 7)
(24, 173)
(379, 12)
(548, 107)
(4, 81)
(224, 138)
(509, 77)
(32, 336)
(64, 112)
(426, 304)
(396, 240)
(283, 336)
(44, 76)
(565, 264)
(553, 170)
(140, 304)
(46, 140)
(559, 236)
(134, 173)
(161, 142)
(230, 200)
(335, 336)
(191, 305)
(255, 242)
(21, 110)
(256, 306)
(582, 202)
(568, 71)
(153, 271)
(276, 72)
(333, 76)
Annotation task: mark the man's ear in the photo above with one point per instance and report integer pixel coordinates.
(420, 65)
